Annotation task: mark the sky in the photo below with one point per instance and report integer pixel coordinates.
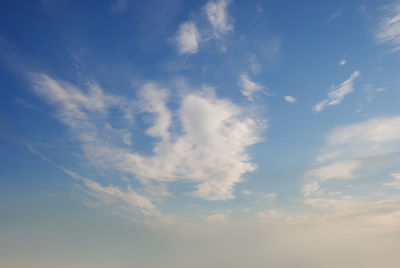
(219, 133)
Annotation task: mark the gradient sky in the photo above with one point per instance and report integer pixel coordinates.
(170, 133)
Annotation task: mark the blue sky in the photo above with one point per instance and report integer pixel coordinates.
(202, 127)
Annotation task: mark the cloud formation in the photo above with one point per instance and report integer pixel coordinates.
(209, 151)
(337, 93)
(249, 87)
(290, 99)
(217, 15)
(389, 26)
(336, 170)
(112, 195)
(355, 149)
(187, 38)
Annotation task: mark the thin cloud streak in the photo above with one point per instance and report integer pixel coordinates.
(337, 93)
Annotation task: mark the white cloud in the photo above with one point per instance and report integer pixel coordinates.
(377, 136)
(249, 87)
(290, 99)
(389, 26)
(153, 101)
(337, 93)
(359, 147)
(210, 152)
(187, 38)
(342, 62)
(342, 170)
(111, 195)
(336, 170)
(218, 16)
(373, 131)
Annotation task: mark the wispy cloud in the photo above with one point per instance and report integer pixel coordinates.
(337, 93)
(377, 136)
(336, 14)
(389, 26)
(355, 149)
(249, 87)
(108, 196)
(336, 170)
(187, 38)
(218, 16)
(210, 152)
(214, 23)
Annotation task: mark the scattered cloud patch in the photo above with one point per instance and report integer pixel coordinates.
(389, 26)
(375, 131)
(112, 195)
(337, 93)
(218, 23)
(371, 138)
(187, 38)
(249, 87)
(336, 170)
(355, 149)
(290, 99)
(210, 152)
(218, 16)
